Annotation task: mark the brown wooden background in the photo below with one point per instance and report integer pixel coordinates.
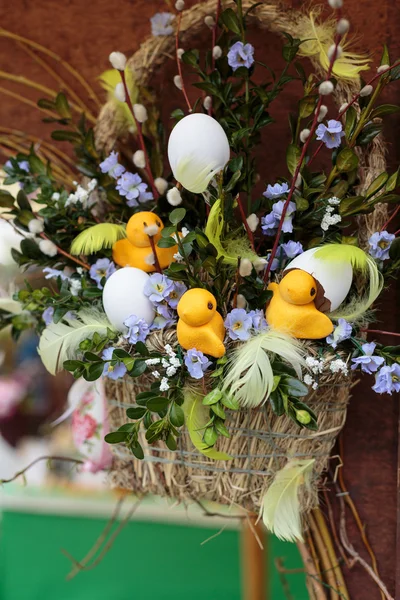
(84, 33)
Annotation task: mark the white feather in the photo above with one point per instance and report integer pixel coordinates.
(281, 506)
(60, 342)
(10, 305)
(250, 377)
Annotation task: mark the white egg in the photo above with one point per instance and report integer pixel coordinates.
(123, 296)
(335, 277)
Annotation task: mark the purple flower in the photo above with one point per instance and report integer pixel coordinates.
(8, 164)
(241, 55)
(292, 249)
(258, 320)
(176, 293)
(165, 317)
(133, 188)
(161, 23)
(238, 323)
(115, 371)
(24, 165)
(379, 244)
(274, 191)
(331, 135)
(158, 288)
(47, 315)
(278, 258)
(103, 267)
(387, 380)
(53, 273)
(138, 329)
(341, 332)
(196, 363)
(270, 222)
(369, 363)
(111, 166)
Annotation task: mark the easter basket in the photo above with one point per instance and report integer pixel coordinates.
(260, 442)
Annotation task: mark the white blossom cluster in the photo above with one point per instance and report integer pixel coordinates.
(316, 365)
(339, 366)
(308, 380)
(170, 364)
(82, 194)
(329, 218)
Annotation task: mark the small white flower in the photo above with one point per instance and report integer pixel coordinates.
(334, 201)
(156, 374)
(151, 230)
(245, 267)
(139, 159)
(35, 226)
(180, 52)
(178, 82)
(217, 52)
(150, 259)
(253, 222)
(168, 349)
(178, 257)
(140, 113)
(55, 196)
(323, 111)
(326, 88)
(165, 363)
(161, 185)
(314, 385)
(164, 385)
(75, 286)
(382, 68)
(335, 3)
(315, 365)
(366, 90)
(185, 231)
(339, 366)
(92, 185)
(48, 248)
(343, 26)
(152, 361)
(241, 301)
(118, 60)
(209, 21)
(332, 49)
(171, 371)
(180, 5)
(175, 362)
(308, 380)
(174, 196)
(304, 135)
(119, 92)
(259, 264)
(207, 102)
(329, 220)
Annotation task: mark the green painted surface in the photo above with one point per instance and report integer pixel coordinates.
(149, 561)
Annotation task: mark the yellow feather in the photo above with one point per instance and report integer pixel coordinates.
(281, 506)
(196, 417)
(96, 238)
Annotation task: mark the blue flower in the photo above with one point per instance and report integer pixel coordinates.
(278, 258)
(161, 23)
(341, 332)
(369, 363)
(115, 371)
(165, 317)
(331, 135)
(387, 380)
(138, 329)
(111, 166)
(47, 315)
(292, 249)
(133, 188)
(379, 244)
(241, 55)
(196, 363)
(270, 222)
(275, 191)
(53, 273)
(24, 165)
(158, 288)
(238, 323)
(258, 320)
(176, 293)
(103, 267)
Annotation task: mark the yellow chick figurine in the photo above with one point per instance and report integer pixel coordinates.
(200, 326)
(136, 250)
(292, 307)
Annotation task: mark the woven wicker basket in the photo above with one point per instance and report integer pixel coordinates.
(260, 442)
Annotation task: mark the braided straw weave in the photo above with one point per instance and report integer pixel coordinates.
(260, 442)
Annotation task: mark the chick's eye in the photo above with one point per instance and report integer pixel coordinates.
(210, 305)
(312, 292)
(158, 223)
(144, 223)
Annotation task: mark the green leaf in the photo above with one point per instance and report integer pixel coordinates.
(177, 114)
(307, 106)
(230, 19)
(158, 403)
(230, 402)
(376, 185)
(347, 160)
(221, 428)
(171, 442)
(351, 121)
(154, 431)
(210, 436)
(141, 349)
(138, 368)
(36, 165)
(235, 164)
(47, 104)
(62, 135)
(384, 109)
(94, 371)
(62, 106)
(130, 427)
(393, 181)
(293, 154)
(22, 201)
(6, 199)
(218, 410)
(295, 387)
(394, 251)
(369, 132)
(30, 249)
(233, 181)
(116, 437)
(168, 242)
(137, 450)
(135, 413)
(144, 396)
(177, 215)
(190, 57)
(71, 365)
(352, 206)
(177, 416)
(212, 397)
(275, 399)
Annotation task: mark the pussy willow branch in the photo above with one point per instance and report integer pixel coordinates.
(380, 331)
(245, 223)
(214, 32)
(140, 134)
(37, 460)
(179, 63)
(392, 216)
(300, 162)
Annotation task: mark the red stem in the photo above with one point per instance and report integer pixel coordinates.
(394, 213)
(156, 261)
(141, 138)
(214, 32)
(380, 331)
(245, 223)
(178, 62)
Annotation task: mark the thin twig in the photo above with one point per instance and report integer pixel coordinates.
(156, 261)
(334, 530)
(64, 253)
(311, 572)
(245, 223)
(380, 331)
(179, 63)
(34, 462)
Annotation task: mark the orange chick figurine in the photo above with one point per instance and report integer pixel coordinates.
(292, 308)
(137, 249)
(200, 326)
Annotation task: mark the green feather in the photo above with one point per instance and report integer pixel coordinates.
(281, 506)
(250, 377)
(196, 418)
(96, 238)
(361, 261)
